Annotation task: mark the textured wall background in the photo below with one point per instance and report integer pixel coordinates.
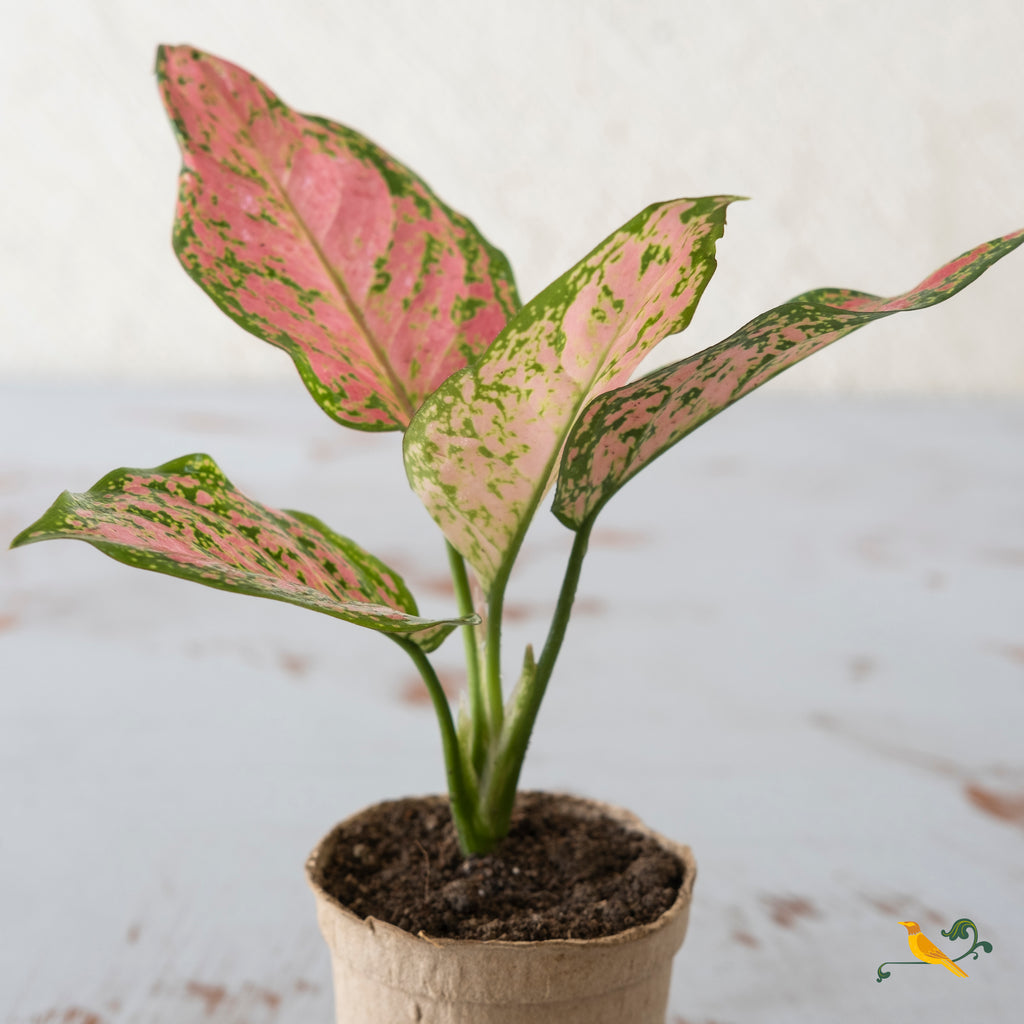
(877, 140)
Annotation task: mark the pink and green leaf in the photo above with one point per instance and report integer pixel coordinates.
(623, 430)
(482, 450)
(317, 241)
(186, 519)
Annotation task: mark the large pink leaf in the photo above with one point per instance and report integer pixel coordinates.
(482, 450)
(622, 431)
(186, 519)
(316, 240)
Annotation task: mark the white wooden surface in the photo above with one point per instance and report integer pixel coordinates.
(799, 647)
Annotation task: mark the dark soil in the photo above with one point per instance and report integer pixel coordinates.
(562, 873)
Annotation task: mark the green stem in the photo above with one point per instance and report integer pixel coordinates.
(464, 809)
(501, 785)
(492, 656)
(477, 714)
(560, 621)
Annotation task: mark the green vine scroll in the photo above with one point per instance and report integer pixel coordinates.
(958, 930)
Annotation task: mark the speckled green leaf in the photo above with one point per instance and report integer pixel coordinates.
(186, 519)
(624, 430)
(482, 450)
(317, 241)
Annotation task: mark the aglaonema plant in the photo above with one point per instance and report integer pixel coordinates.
(399, 315)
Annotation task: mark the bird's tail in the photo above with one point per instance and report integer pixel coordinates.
(955, 968)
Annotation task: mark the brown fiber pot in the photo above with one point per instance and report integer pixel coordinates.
(385, 975)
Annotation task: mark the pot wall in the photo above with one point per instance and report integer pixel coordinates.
(385, 975)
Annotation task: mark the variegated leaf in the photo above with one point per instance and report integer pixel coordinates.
(622, 431)
(186, 519)
(482, 450)
(316, 240)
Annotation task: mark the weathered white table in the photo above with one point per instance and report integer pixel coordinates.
(801, 633)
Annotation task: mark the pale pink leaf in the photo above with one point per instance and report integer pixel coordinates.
(624, 430)
(482, 450)
(186, 519)
(317, 241)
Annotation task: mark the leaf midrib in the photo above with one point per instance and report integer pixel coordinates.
(504, 567)
(373, 344)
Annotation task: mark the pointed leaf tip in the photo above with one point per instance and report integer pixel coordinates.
(186, 519)
(627, 428)
(314, 239)
(482, 450)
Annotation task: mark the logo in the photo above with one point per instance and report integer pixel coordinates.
(928, 953)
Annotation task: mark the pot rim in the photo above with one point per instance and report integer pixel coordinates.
(680, 907)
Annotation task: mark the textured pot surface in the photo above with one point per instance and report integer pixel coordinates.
(385, 975)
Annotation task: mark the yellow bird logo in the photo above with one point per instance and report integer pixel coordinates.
(928, 953)
(924, 949)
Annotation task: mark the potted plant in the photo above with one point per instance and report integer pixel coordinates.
(399, 315)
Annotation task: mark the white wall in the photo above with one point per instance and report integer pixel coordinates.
(878, 138)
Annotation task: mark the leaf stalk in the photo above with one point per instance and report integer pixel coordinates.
(499, 789)
(464, 808)
(478, 731)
